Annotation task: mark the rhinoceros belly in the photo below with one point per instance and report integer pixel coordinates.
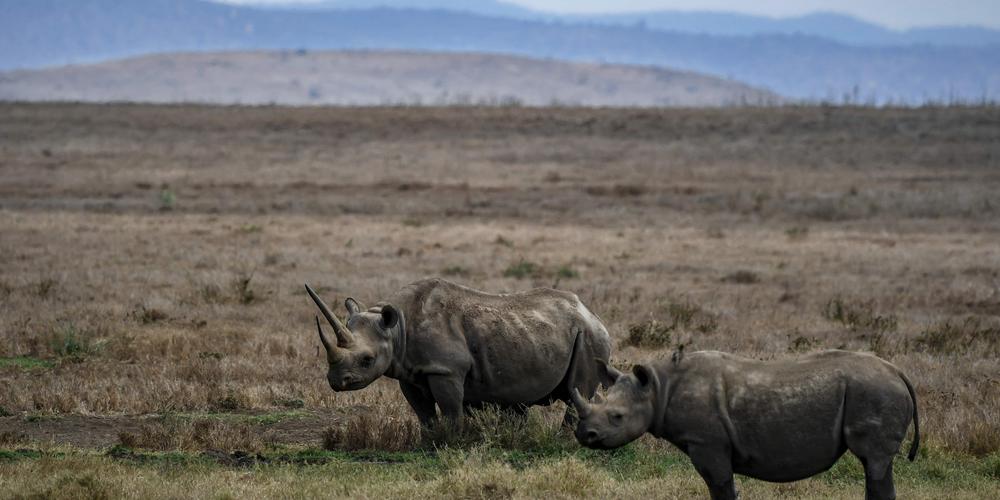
(517, 356)
(786, 430)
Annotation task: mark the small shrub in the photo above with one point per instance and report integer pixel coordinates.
(45, 287)
(691, 315)
(742, 277)
(244, 293)
(412, 222)
(73, 344)
(147, 315)
(209, 355)
(651, 334)
(167, 200)
(455, 271)
(801, 344)
(797, 232)
(522, 269)
(567, 272)
(504, 242)
(4, 412)
(211, 293)
(232, 401)
(618, 190)
(293, 403)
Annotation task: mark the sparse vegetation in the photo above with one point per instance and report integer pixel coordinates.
(859, 316)
(73, 344)
(455, 271)
(167, 200)
(522, 269)
(742, 277)
(26, 363)
(959, 335)
(172, 433)
(914, 281)
(567, 272)
(241, 285)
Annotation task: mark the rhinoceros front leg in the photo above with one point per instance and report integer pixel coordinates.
(421, 402)
(449, 393)
(716, 468)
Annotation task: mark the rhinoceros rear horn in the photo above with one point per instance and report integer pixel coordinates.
(344, 337)
(609, 373)
(581, 404)
(330, 349)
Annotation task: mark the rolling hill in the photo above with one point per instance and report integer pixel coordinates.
(372, 78)
(56, 32)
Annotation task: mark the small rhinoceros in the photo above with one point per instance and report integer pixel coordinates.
(776, 421)
(457, 347)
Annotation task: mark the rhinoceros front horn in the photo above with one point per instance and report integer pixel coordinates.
(344, 337)
(581, 404)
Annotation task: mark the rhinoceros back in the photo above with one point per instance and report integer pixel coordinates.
(513, 348)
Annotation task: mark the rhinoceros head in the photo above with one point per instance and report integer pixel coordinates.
(623, 415)
(364, 347)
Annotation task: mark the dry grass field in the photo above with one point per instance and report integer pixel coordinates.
(157, 341)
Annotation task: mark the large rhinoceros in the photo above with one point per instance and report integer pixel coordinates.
(776, 421)
(457, 347)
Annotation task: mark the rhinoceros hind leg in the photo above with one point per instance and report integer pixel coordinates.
(716, 468)
(878, 478)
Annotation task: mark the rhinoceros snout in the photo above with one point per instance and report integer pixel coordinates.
(587, 437)
(345, 383)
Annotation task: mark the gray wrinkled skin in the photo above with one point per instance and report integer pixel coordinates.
(452, 347)
(775, 421)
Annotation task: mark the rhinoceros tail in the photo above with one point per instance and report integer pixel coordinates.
(916, 420)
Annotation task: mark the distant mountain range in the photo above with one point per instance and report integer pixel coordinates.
(54, 32)
(373, 78)
(833, 26)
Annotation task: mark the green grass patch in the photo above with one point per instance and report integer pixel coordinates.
(26, 363)
(646, 468)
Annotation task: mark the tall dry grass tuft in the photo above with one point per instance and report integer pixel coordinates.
(177, 433)
(368, 432)
(536, 430)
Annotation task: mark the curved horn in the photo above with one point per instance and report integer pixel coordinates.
(331, 350)
(582, 406)
(344, 337)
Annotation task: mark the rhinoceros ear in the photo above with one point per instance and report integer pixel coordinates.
(645, 375)
(353, 307)
(390, 316)
(607, 372)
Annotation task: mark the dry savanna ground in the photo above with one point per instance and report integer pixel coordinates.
(157, 341)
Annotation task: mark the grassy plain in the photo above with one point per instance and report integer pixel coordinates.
(157, 341)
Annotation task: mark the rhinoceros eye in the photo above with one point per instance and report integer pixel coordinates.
(615, 418)
(367, 361)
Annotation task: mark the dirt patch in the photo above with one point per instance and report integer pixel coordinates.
(103, 431)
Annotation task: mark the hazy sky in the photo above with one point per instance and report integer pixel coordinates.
(893, 13)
